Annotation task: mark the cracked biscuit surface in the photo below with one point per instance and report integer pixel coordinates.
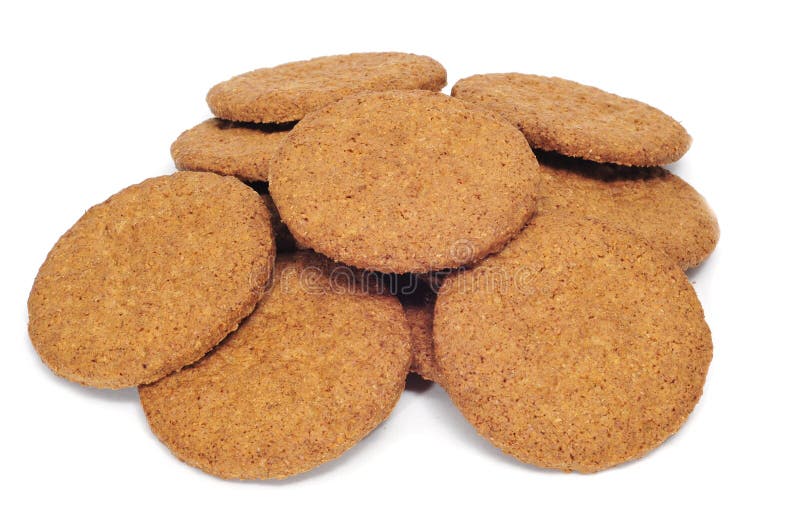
(577, 347)
(151, 279)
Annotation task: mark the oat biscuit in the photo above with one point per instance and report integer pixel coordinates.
(288, 92)
(655, 204)
(151, 279)
(577, 347)
(318, 365)
(578, 120)
(228, 148)
(418, 306)
(404, 181)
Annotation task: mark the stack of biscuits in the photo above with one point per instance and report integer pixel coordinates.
(341, 222)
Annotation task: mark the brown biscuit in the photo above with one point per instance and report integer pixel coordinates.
(658, 206)
(577, 347)
(318, 365)
(228, 148)
(288, 92)
(418, 306)
(404, 181)
(151, 279)
(578, 120)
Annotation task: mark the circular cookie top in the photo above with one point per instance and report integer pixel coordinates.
(578, 120)
(577, 347)
(404, 181)
(658, 206)
(228, 148)
(418, 306)
(288, 92)
(151, 279)
(318, 365)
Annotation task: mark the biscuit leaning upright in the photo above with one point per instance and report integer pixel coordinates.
(318, 365)
(151, 279)
(578, 120)
(577, 347)
(404, 181)
(286, 93)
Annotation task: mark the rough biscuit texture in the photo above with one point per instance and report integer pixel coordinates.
(658, 206)
(577, 347)
(418, 306)
(318, 365)
(151, 279)
(228, 148)
(404, 181)
(288, 92)
(578, 120)
(284, 241)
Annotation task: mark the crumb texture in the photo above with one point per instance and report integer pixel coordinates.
(578, 347)
(151, 279)
(655, 204)
(404, 181)
(578, 120)
(288, 92)
(316, 367)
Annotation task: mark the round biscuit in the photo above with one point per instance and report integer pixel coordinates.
(655, 204)
(288, 92)
(404, 181)
(577, 347)
(228, 148)
(578, 120)
(317, 366)
(151, 279)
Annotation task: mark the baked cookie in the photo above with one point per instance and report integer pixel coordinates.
(288, 92)
(151, 279)
(418, 306)
(658, 206)
(228, 148)
(404, 181)
(577, 347)
(318, 365)
(578, 120)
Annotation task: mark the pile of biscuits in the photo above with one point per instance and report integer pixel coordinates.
(341, 222)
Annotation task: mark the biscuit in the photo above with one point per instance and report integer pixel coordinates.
(418, 306)
(151, 279)
(577, 347)
(578, 120)
(288, 92)
(316, 367)
(404, 181)
(228, 148)
(658, 206)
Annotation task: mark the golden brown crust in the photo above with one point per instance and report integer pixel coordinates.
(404, 181)
(578, 120)
(284, 241)
(288, 92)
(658, 206)
(151, 279)
(316, 367)
(228, 148)
(577, 347)
(418, 306)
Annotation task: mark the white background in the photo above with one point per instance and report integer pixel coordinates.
(92, 97)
